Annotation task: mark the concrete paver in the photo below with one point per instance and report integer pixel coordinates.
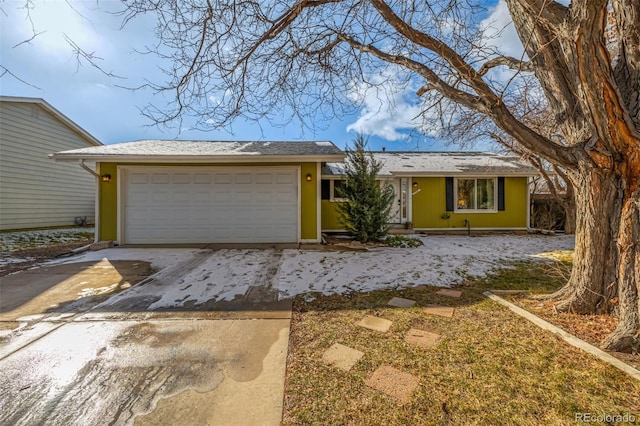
(400, 302)
(449, 292)
(375, 323)
(443, 311)
(393, 382)
(342, 356)
(422, 338)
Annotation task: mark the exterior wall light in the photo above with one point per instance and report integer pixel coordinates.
(308, 177)
(415, 185)
(106, 178)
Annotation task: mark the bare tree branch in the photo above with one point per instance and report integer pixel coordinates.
(6, 71)
(507, 61)
(90, 57)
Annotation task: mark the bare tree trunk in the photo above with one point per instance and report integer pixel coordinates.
(569, 206)
(606, 271)
(627, 334)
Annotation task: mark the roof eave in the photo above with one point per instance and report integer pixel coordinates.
(464, 173)
(444, 174)
(193, 159)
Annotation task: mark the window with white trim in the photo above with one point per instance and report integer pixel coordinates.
(332, 190)
(476, 194)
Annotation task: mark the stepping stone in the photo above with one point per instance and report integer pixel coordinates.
(342, 356)
(443, 311)
(450, 293)
(424, 339)
(399, 302)
(375, 323)
(508, 292)
(393, 382)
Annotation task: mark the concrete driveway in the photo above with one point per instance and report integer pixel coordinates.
(96, 341)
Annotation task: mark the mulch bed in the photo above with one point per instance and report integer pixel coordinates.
(590, 328)
(37, 255)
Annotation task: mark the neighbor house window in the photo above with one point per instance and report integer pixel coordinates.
(476, 194)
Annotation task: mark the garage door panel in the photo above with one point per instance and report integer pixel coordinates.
(264, 178)
(181, 178)
(227, 205)
(160, 178)
(244, 178)
(202, 178)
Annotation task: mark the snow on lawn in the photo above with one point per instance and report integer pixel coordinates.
(17, 240)
(198, 276)
(442, 261)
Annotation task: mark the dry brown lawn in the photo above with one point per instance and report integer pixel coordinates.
(489, 366)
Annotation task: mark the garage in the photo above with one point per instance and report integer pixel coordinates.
(162, 205)
(200, 192)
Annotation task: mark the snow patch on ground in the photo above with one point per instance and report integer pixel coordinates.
(16, 240)
(223, 276)
(443, 261)
(4, 261)
(196, 276)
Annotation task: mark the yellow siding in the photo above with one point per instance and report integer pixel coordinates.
(330, 218)
(308, 197)
(108, 229)
(429, 201)
(429, 206)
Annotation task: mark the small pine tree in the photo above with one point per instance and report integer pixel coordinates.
(365, 213)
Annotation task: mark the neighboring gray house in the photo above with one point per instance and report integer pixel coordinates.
(34, 190)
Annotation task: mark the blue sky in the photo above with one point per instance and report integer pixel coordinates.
(111, 113)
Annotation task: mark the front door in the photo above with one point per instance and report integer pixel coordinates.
(399, 210)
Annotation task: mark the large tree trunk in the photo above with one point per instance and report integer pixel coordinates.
(569, 206)
(606, 272)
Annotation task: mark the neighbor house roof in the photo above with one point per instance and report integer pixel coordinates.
(60, 116)
(205, 151)
(442, 164)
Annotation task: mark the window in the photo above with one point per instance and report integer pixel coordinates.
(332, 189)
(476, 194)
(337, 190)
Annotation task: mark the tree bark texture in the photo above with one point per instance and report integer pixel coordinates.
(601, 123)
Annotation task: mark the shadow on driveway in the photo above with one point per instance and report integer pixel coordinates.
(68, 357)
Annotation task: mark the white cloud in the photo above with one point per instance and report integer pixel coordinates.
(500, 32)
(389, 105)
(54, 20)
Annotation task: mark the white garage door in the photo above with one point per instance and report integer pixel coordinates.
(210, 205)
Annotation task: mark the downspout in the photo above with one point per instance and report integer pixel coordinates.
(97, 200)
(87, 168)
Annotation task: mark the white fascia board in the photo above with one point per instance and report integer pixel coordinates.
(193, 159)
(455, 174)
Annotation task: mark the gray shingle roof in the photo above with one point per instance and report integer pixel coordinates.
(442, 163)
(184, 148)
